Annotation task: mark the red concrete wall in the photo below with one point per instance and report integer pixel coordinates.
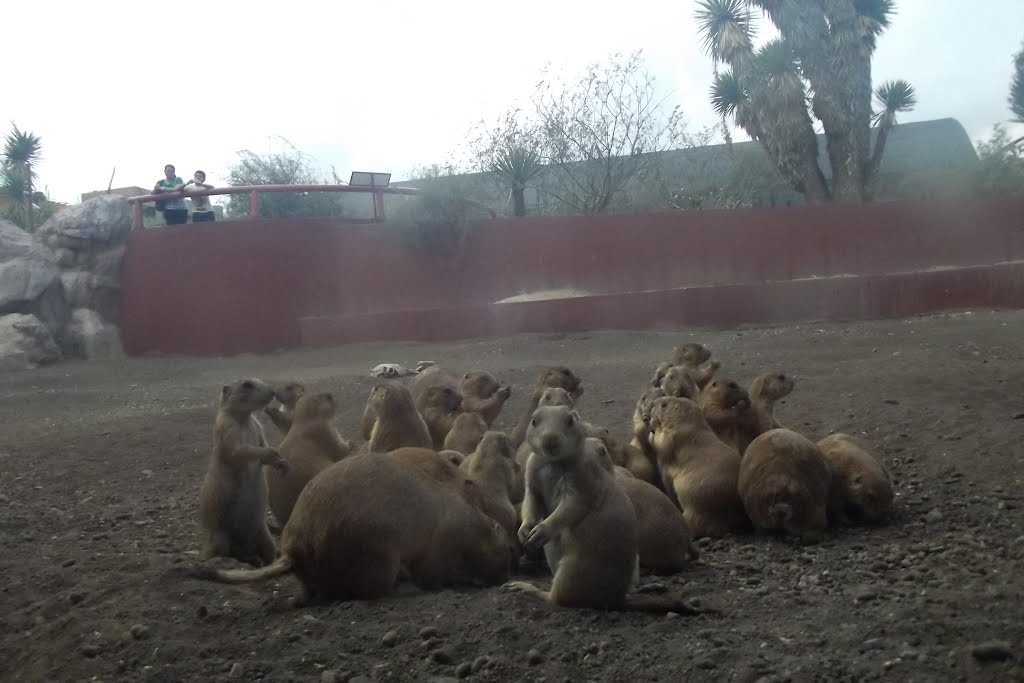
(245, 285)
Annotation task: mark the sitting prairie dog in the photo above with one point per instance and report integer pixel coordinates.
(492, 467)
(483, 394)
(287, 395)
(784, 483)
(367, 520)
(311, 444)
(557, 376)
(659, 374)
(861, 490)
(233, 495)
(439, 406)
(690, 354)
(764, 391)
(583, 519)
(663, 536)
(642, 419)
(699, 471)
(551, 396)
(466, 432)
(454, 457)
(396, 422)
(624, 454)
(726, 408)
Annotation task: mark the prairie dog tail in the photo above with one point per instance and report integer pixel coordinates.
(780, 512)
(650, 603)
(279, 567)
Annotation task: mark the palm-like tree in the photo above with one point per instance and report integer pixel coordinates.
(21, 150)
(518, 164)
(1017, 87)
(820, 66)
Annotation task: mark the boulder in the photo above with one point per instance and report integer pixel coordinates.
(88, 289)
(92, 226)
(29, 282)
(89, 336)
(25, 341)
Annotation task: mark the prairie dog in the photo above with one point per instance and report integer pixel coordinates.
(483, 394)
(624, 454)
(659, 374)
(552, 396)
(861, 486)
(642, 419)
(367, 519)
(454, 457)
(311, 444)
(492, 467)
(439, 405)
(679, 382)
(690, 354)
(663, 536)
(233, 495)
(699, 471)
(557, 376)
(582, 517)
(726, 407)
(784, 482)
(287, 395)
(466, 432)
(396, 422)
(764, 391)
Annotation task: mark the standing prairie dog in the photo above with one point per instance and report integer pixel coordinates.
(557, 376)
(484, 395)
(764, 391)
(726, 407)
(367, 519)
(233, 495)
(575, 509)
(396, 422)
(784, 482)
(492, 467)
(439, 406)
(287, 395)
(699, 471)
(642, 419)
(861, 489)
(466, 432)
(311, 444)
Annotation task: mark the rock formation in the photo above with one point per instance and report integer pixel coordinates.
(59, 288)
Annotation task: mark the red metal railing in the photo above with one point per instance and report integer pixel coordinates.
(254, 196)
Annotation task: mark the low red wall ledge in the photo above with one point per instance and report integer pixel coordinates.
(835, 298)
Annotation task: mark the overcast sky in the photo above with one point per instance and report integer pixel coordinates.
(390, 85)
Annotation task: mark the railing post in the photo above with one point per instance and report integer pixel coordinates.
(378, 205)
(137, 220)
(254, 204)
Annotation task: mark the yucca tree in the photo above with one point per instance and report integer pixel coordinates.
(21, 151)
(819, 67)
(1017, 87)
(518, 164)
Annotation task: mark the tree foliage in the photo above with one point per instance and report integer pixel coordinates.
(1000, 168)
(582, 141)
(1017, 86)
(22, 205)
(818, 68)
(291, 167)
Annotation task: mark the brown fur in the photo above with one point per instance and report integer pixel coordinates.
(311, 445)
(659, 374)
(287, 395)
(726, 407)
(366, 520)
(483, 394)
(861, 490)
(233, 495)
(699, 471)
(439, 405)
(764, 391)
(690, 354)
(492, 467)
(784, 482)
(642, 419)
(396, 422)
(663, 536)
(552, 396)
(555, 376)
(624, 454)
(584, 520)
(679, 382)
(454, 457)
(466, 432)
(703, 374)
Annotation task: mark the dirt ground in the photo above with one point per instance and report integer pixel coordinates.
(100, 466)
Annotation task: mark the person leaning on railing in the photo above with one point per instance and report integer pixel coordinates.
(202, 211)
(175, 210)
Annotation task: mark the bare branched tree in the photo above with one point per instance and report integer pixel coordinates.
(603, 131)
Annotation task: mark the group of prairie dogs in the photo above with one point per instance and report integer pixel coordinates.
(437, 497)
